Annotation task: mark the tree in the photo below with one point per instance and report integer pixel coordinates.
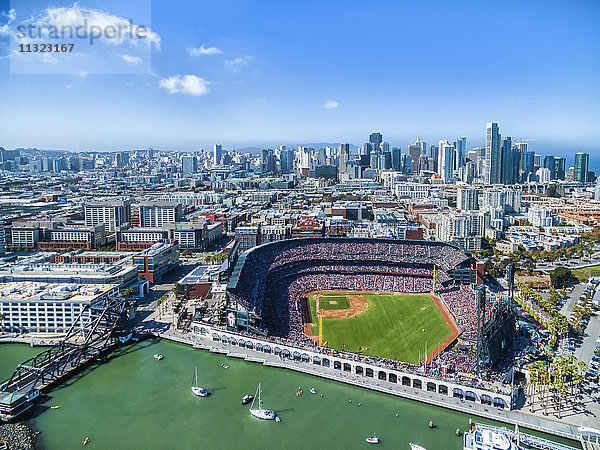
(561, 277)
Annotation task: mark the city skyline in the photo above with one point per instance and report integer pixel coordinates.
(296, 76)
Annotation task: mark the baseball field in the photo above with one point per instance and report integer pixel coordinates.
(389, 325)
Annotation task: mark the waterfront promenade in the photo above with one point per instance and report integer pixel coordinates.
(534, 422)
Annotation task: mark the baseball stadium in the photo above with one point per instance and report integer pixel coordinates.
(393, 301)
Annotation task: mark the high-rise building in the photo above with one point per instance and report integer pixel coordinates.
(559, 168)
(467, 199)
(434, 154)
(511, 162)
(580, 172)
(189, 165)
(446, 160)
(155, 214)
(286, 158)
(217, 154)
(375, 139)
(543, 175)
(267, 160)
(112, 214)
(414, 150)
(461, 152)
(396, 158)
(493, 154)
(343, 157)
(549, 164)
(526, 165)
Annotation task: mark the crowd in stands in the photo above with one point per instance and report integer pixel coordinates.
(463, 306)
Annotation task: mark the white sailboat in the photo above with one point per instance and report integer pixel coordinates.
(260, 413)
(196, 389)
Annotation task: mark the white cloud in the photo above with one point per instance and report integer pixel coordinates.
(9, 16)
(202, 50)
(185, 84)
(114, 28)
(133, 60)
(331, 104)
(235, 64)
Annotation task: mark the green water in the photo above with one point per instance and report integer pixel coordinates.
(136, 402)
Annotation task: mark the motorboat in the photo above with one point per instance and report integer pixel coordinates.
(372, 439)
(260, 413)
(196, 389)
(487, 438)
(313, 391)
(247, 399)
(224, 366)
(158, 356)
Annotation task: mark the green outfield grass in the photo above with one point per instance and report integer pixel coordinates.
(391, 327)
(585, 273)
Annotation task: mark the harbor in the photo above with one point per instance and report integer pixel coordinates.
(157, 410)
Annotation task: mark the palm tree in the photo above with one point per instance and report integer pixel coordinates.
(532, 386)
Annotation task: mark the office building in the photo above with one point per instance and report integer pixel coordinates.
(154, 262)
(461, 152)
(189, 165)
(113, 214)
(46, 307)
(217, 154)
(467, 199)
(446, 161)
(156, 214)
(580, 172)
(493, 154)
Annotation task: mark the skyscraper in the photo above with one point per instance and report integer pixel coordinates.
(375, 139)
(461, 151)
(549, 164)
(189, 164)
(493, 154)
(343, 157)
(559, 167)
(526, 165)
(396, 158)
(511, 161)
(582, 161)
(217, 154)
(446, 160)
(414, 151)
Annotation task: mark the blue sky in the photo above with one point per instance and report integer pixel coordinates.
(264, 70)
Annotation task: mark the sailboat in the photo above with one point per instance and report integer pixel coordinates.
(265, 414)
(372, 439)
(198, 390)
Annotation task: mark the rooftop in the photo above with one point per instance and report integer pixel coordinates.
(200, 274)
(29, 291)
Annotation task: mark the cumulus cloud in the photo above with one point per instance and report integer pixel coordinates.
(133, 60)
(202, 50)
(114, 28)
(185, 84)
(235, 64)
(331, 104)
(8, 16)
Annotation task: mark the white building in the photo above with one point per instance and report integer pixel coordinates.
(112, 214)
(543, 174)
(539, 216)
(467, 199)
(47, 307)
(446, 161)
